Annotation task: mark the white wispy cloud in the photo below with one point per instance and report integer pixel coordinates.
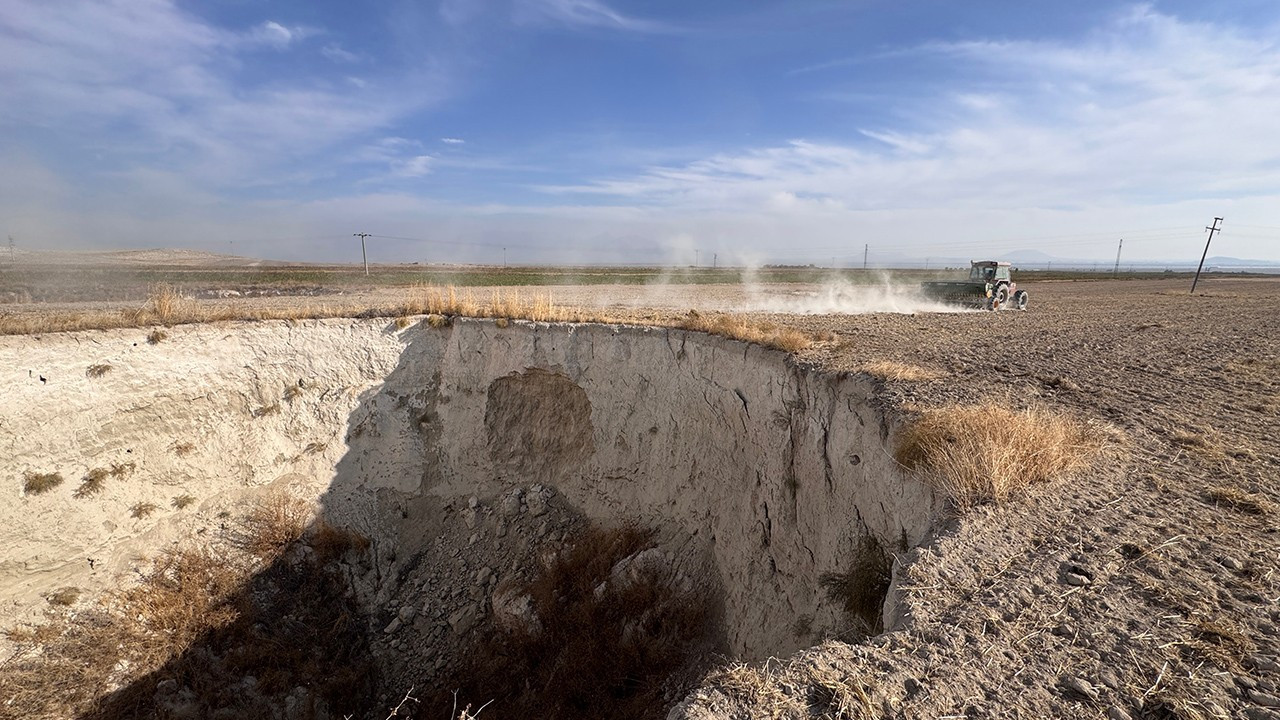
(1147, 109)
(452, 141)
(336, 53)
(587, 13)
(159, 86)
(273, 34)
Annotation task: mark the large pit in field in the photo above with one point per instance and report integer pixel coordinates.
(466, 453)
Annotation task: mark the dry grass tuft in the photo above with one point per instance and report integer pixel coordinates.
(93, 483)
(1238, 499)
(183, 449)
(156, 336)
(403, 322)
(272, 525)
(182, 502)
(988, 453)
(143, 510)
(332, 543)
(37, 483)
(267, 410)
(121, 470)
(502, 323)
(292, 392)
(898, 371)
(1209, 444)
(98, 370)
(738, 328)
(64, 597)
(314, 448)
(797, 688)
(437, 321)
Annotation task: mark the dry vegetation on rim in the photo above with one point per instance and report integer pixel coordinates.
(988, 453)
(198, 616)
(165, 306)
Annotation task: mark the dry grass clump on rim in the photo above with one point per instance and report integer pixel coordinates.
(988, 453)
(739, 328)
(166, 306)
(156, 336)
(143, 510)
(893, 370)
(37, 483)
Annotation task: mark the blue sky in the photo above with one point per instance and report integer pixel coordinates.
(614, 131)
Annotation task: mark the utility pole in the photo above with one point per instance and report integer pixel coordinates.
(504, 257)
(1116, 269)
(1213, 229)
(865, 249)
(715, 260)
(363, 254)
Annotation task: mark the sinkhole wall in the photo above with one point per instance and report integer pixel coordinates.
(776, 472)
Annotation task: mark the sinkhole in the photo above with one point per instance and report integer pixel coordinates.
(603, 512)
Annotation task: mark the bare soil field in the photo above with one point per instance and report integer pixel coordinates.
(1145, 586)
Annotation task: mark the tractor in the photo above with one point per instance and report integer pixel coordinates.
(989, 287)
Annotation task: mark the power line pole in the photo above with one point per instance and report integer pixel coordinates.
(1116, 269)
(1211, 230)
(504, 257)
(865, 249)
(363, 254)
(715, 260)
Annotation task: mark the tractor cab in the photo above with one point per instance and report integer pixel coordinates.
(989, 271)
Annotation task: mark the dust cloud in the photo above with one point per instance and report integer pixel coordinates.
(839, 296)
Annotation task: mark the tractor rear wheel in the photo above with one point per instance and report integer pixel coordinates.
(1020, 299)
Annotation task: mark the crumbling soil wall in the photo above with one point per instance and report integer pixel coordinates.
(778, 473)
